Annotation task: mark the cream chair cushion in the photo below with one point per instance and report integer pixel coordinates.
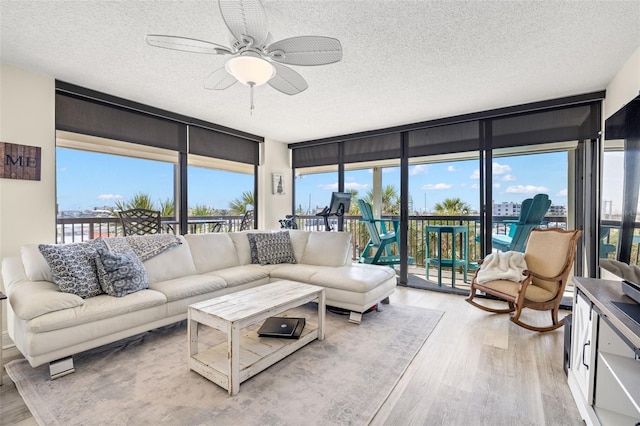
(546, 254)
(533, 292)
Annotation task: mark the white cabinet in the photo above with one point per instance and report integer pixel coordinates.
(582, 345)
(617, 397)
(604, 372)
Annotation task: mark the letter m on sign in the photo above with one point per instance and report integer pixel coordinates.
(20, 161)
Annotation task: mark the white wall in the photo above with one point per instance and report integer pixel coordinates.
(27, 117)
(275, 158)
(625, 85)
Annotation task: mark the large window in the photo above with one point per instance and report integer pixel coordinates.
(517, 176)
(313, 191)
(140, 156)
(96, 184)
(612, 205)
(218, 198)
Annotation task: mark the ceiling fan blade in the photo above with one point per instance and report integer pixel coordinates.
(245, 18)
(306, 50)
(287, 80)
(220, 79)
(186, 44)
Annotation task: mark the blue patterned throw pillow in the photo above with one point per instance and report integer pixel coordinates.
(120, 273)
(73, 267)
(272, 248)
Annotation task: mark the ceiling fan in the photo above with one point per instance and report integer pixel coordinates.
(254, 59)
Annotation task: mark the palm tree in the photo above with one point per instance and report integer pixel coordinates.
(138, 201)
(167, 208)
(354, 208)
(390, 200)
(201, 210)
(239, 205)
(452, 207)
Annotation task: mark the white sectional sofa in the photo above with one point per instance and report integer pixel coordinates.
(48, 325)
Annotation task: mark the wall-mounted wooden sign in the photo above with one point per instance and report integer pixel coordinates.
(20, 161)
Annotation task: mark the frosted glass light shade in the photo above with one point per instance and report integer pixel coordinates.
(250, 70)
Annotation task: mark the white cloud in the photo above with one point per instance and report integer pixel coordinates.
(420, 169)
(496, 168)
(508, 178)
(526, 189)
(347, 185)
(355, 185)
(329, 186)
(451, 169)
(499, 169)
(562, 193)
(475, 186)
(436, 186)
(108, 197)
(496, 185)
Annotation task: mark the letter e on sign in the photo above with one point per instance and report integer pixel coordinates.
(20, 161)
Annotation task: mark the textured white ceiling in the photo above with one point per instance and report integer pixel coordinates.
(404, 61)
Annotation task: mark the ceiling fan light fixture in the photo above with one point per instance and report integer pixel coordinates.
(250, 70)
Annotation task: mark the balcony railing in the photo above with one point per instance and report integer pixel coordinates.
(82, 229)
(71, 230)
(416, 238)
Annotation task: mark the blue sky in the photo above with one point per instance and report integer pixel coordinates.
(89, 180)
(515, 178)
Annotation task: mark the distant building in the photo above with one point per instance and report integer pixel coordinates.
(506, 209)
(557, 211)
(513, 209)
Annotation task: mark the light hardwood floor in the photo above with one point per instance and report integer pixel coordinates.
(476, 368)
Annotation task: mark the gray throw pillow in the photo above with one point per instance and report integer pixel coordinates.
(253, 248)
(273, 248)
(73, 267)
(120, 273)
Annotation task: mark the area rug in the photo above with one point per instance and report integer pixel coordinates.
(342, 380)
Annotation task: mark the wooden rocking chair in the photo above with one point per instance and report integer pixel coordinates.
(549, 256)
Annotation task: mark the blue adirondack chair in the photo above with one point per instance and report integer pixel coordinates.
(605, 246)
(378, 250)
(532, 212)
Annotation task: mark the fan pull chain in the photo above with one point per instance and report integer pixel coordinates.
(252, 107)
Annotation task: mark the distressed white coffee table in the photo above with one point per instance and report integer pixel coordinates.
(245, 354)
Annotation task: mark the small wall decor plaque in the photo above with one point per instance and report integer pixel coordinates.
(20, 161)
(278, 183)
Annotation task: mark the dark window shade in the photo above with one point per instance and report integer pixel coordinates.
(108, 121)
(372, 148)
(459, 137)
(316, 155)
(557, 125)
(625, 123)
(214, 144)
